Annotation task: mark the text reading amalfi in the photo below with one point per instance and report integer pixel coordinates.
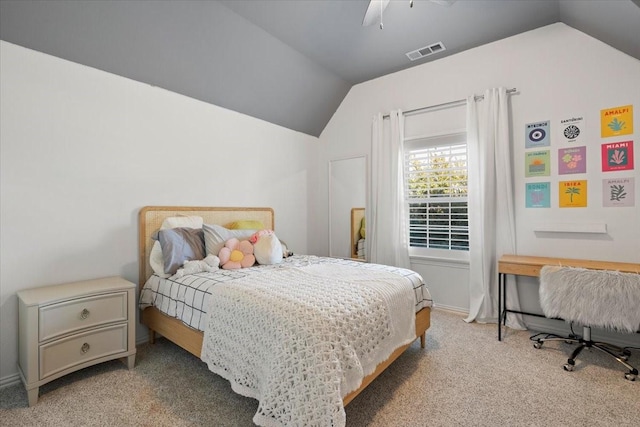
(616, 112)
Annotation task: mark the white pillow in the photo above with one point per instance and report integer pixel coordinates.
(268, 250)
(155, 258)
(215, 236)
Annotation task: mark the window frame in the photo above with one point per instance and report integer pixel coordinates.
(422, 142)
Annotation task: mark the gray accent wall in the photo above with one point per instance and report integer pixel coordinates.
(290, 63)
(199, 49)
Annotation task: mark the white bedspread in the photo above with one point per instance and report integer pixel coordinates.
(300, 339)
(187, 298)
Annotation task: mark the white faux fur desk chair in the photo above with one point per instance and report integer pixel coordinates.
(592, 298)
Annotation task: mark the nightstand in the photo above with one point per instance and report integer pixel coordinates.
(67, 327)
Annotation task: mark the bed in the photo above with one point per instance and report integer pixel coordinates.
(192, 337)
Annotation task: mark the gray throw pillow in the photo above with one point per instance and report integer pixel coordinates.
(179, 245)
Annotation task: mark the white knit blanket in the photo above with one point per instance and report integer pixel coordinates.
(298, 340)
(599, 298)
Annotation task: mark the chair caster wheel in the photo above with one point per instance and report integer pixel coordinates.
(567, 367)
(537, 344)
(630, 377)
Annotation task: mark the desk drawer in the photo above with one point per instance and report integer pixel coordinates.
(67, 352)
(81, 313)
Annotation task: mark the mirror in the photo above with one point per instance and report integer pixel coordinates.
(347, 190)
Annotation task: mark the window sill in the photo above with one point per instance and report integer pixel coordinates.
(424, 259)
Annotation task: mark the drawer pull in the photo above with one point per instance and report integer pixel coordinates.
(84, 314)
(85, 347)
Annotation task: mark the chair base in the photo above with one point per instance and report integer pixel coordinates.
(618, 353)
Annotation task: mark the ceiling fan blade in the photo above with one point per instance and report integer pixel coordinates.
(376, 7)
(444, 2)
(374, 12)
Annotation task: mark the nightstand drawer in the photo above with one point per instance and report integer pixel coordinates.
(81, 313)
(84, 347)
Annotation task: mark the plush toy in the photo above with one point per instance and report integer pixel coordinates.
(236, 254)
(209, 264)
(267, 247)
(256, 236)
(285, 250)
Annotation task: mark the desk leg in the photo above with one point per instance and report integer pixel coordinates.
(501, 280)
(504, 300)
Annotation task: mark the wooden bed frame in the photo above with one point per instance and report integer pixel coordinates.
(150, 219)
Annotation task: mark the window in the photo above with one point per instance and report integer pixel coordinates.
(436, 193)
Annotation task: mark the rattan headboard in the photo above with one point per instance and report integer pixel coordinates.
(151, 217)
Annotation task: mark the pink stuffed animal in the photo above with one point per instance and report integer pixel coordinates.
(236, 254)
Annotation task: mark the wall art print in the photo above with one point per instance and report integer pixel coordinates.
(617, 156)
(618, 192)
(537, 163)
(538, 194)
(537, 134)
(572, 160)
(572, 194)
(616, 121)
(572, 130)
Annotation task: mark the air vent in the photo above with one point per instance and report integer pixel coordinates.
(425, 51)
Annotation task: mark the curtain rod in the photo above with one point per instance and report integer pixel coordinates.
(446, 104)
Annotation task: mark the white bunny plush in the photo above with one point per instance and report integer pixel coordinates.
(210, 263)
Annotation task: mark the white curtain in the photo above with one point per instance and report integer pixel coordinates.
(491, 207)
(387, 233)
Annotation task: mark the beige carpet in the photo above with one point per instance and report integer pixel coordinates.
(464, 377)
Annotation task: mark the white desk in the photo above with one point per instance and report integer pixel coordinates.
(519, 265)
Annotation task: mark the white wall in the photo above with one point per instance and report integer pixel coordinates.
(83, 150)
(558, 71)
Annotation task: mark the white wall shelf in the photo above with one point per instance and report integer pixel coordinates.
(594, 228)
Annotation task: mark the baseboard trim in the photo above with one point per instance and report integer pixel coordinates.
(144, 339)
(451, 309)
(10, 380)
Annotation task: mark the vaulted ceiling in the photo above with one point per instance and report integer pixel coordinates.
(287, 62)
